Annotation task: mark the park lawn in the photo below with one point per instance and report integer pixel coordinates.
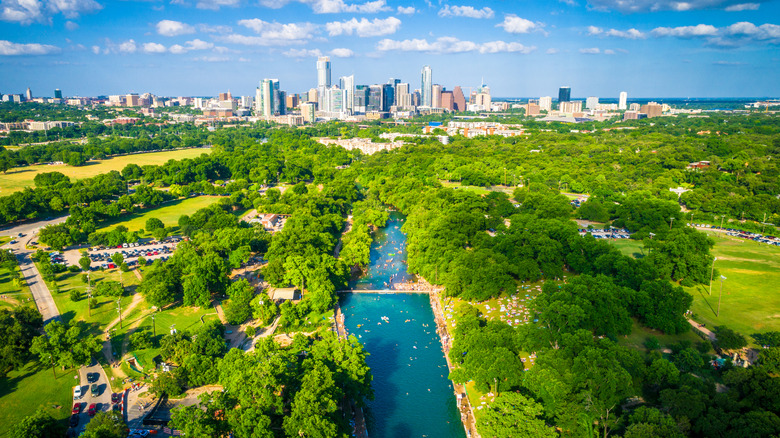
(169, 214)
(4, 240)
(459, 186)
(22, 392)
(18, 178)
(750, 302)
(640, 333)
(106, 310)
(630, 247)
(12, 295)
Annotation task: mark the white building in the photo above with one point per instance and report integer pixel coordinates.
(591, 102)
(545, 103)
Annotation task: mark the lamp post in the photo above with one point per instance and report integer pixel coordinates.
(671, 221)
(721, 294)
(712, 272)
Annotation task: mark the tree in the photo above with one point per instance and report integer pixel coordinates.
(238, 308)
(728, 339)
(106, 425)
(85, 263)
(66, 345)
(688, 360)
(513, 415)
(117, 258)
(38, 425)
(314, 406)
(153, 223)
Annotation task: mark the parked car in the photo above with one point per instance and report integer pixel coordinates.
(95, 390)
(93, 377)
(92, 410)
(77, 393)
(116, 397)
(74, 420)
(76, 408)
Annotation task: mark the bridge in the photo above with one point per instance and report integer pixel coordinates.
(383, 291)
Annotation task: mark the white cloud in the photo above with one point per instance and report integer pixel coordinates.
(406, 10)
(743, 7)
(177, 49)
(302, 53)
(728, 63)
(630, 6)
(128, 46)
(334, 6)
(276, 33)
(514, 24)
(95, 49)
(364, 28)
(172, 28)
(212, 59)
(153, 48)
(609, 52)
(8, 48)
(71, 25)
(551, 51)
(451, 45)
(591, 51)
(214, 29)
(466, 11)
(197, 44)
(216, 4)
(632, 33)
(342, 53)
(29, 11)
(686, 31)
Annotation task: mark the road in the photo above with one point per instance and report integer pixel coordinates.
(32, 277)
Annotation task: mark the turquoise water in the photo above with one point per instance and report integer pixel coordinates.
(413, 397)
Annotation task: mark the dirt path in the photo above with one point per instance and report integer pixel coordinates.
(707, 332)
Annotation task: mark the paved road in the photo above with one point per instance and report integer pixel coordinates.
(32, 277)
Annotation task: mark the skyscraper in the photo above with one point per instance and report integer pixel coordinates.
(459, 100)
(436, 95)
(58, 93)
(323, 71)
(264, 98)
(374, 98)
(29, 94)
(545, 103)
(426, 87)
(403, 99)
(388, 96)
(360, 102)
(347, 85)
(564, 94)
(591, 102)
(623, 99)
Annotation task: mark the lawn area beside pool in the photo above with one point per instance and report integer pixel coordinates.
(18, 178)
(22, 392)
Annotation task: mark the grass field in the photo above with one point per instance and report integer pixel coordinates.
(13, 296)
(633, 248)
(106, 310)
(18, 178)
(750, 303)
(169, 214)
(24, 391)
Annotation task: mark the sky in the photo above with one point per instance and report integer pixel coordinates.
(648, 48)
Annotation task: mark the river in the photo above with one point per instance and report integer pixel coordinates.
(413, 397)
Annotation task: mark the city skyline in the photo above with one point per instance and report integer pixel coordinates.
(701, 48)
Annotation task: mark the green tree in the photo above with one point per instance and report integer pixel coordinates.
(728, 339)
(313, 411)
(85, 263)
(108, 424)
(67, 345)
(513, 415)
(239, 308)
(153, 223)
(38, 425)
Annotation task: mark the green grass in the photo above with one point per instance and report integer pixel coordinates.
(18, 178)
(106, 310)
(4, 240)
(633, 248)
(639, 335)
(24, 391)
(750, 302)
(169, 214)
(14, 295)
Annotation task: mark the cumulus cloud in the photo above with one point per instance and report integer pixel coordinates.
(128, 46)
(514, 24)
(466, 11)
(302, 53)
(743, 7)
(172, 28)
(71, 25)
(630, 6)
(551, 51)
(686, 31)
(591, 51)
(406, 10)
(29, 11)
(8, 48)
(342, 53)
(195, 44)
(631, 34)
(334, 6)
(153, 48)
(95, 49)
(214, 29)
(451, 45)
(364, 28)
(271, 34)
(212, 59)
(216, 4)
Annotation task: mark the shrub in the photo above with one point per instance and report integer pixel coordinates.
(251, 331)
(75, 295)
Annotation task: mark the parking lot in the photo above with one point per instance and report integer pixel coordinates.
(150, 250)
(612, 233)
(94, 395)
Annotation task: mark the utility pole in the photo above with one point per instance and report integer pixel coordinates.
(721, 221)
(89, 295)
(154, 326)
(691, 219)
(721, 294)
(53, 369)
(119, 309)
(763, 223)
(712, 272)
(671, 221)
(505, 184)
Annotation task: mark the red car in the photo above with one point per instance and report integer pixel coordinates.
(92, 410)
(76, 408)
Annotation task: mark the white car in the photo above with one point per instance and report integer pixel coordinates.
(77, 393)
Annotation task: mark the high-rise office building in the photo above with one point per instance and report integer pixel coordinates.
(403, 99)
(564, 94)
(374, 98)
(459, 100)
(591, 102)
(360, 103)
(335, 100)
(28, 95)
(388, 96)
(264, 98)
(436, 90)
(622, 101)
(447, 100)
(394, 82)
(292, 101)
(652, 109)
(545, 103)
(58, 93)
(132, 100)
(311, 96)
(323, 71)
(347, 85)
(426, 87)
(571, 107)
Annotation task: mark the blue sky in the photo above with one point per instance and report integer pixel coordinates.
(649, 48)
